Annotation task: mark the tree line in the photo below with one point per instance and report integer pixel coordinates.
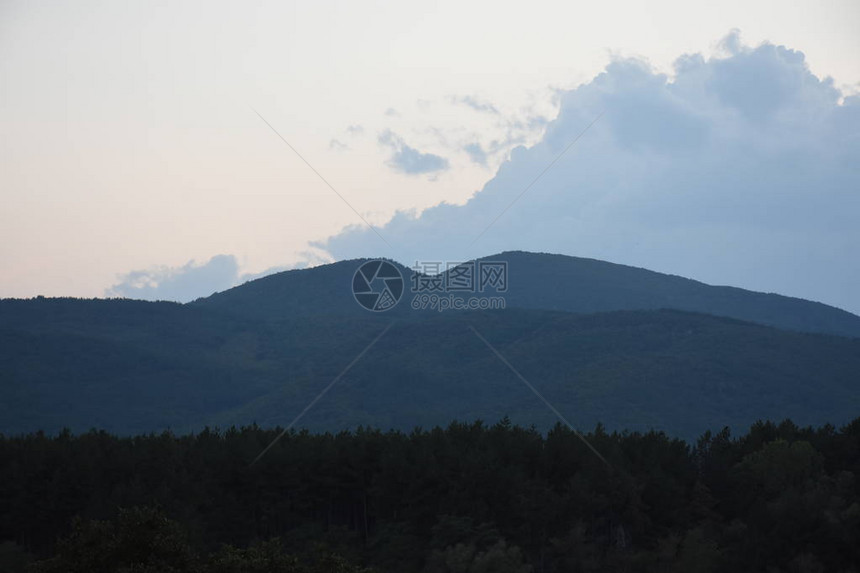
(469, 498)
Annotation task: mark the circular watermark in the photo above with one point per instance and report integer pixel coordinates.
(377, 285)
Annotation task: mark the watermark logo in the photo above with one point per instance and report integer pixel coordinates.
(459, 286)
(377, 285)
(474, 285)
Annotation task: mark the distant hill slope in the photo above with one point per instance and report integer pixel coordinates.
(325, 290)
(559, 282)
(540, 281)
(131, 366)
(679, 372)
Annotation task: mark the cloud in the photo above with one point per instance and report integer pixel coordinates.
(731, 44)
(391, 112)
(192, 280)
(740, 169)
(409, 160)
(503, 132)
(310, 258)
(337, 145)
(355, 129)
(476, 153)
(476, 104)
(181, 284)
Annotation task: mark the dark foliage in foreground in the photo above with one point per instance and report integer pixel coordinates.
(468, 499)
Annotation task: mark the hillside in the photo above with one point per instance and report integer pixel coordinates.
(544, 282)
(130, 366)
(638, 370)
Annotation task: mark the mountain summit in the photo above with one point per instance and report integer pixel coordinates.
(543, 282)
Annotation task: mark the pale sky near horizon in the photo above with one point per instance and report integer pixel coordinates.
(131, 143)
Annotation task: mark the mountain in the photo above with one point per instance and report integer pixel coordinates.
(604, 343)
(543, 282)
(325, 290)
(573, 284)
(133, 367)
(680, 372)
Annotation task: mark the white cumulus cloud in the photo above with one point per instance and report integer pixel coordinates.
(740, 169)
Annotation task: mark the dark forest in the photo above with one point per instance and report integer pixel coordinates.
(468, 498)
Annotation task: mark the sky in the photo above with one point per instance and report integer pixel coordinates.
(170, 150)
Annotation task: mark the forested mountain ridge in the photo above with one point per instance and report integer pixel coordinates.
(544, 282)
(131, 366)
